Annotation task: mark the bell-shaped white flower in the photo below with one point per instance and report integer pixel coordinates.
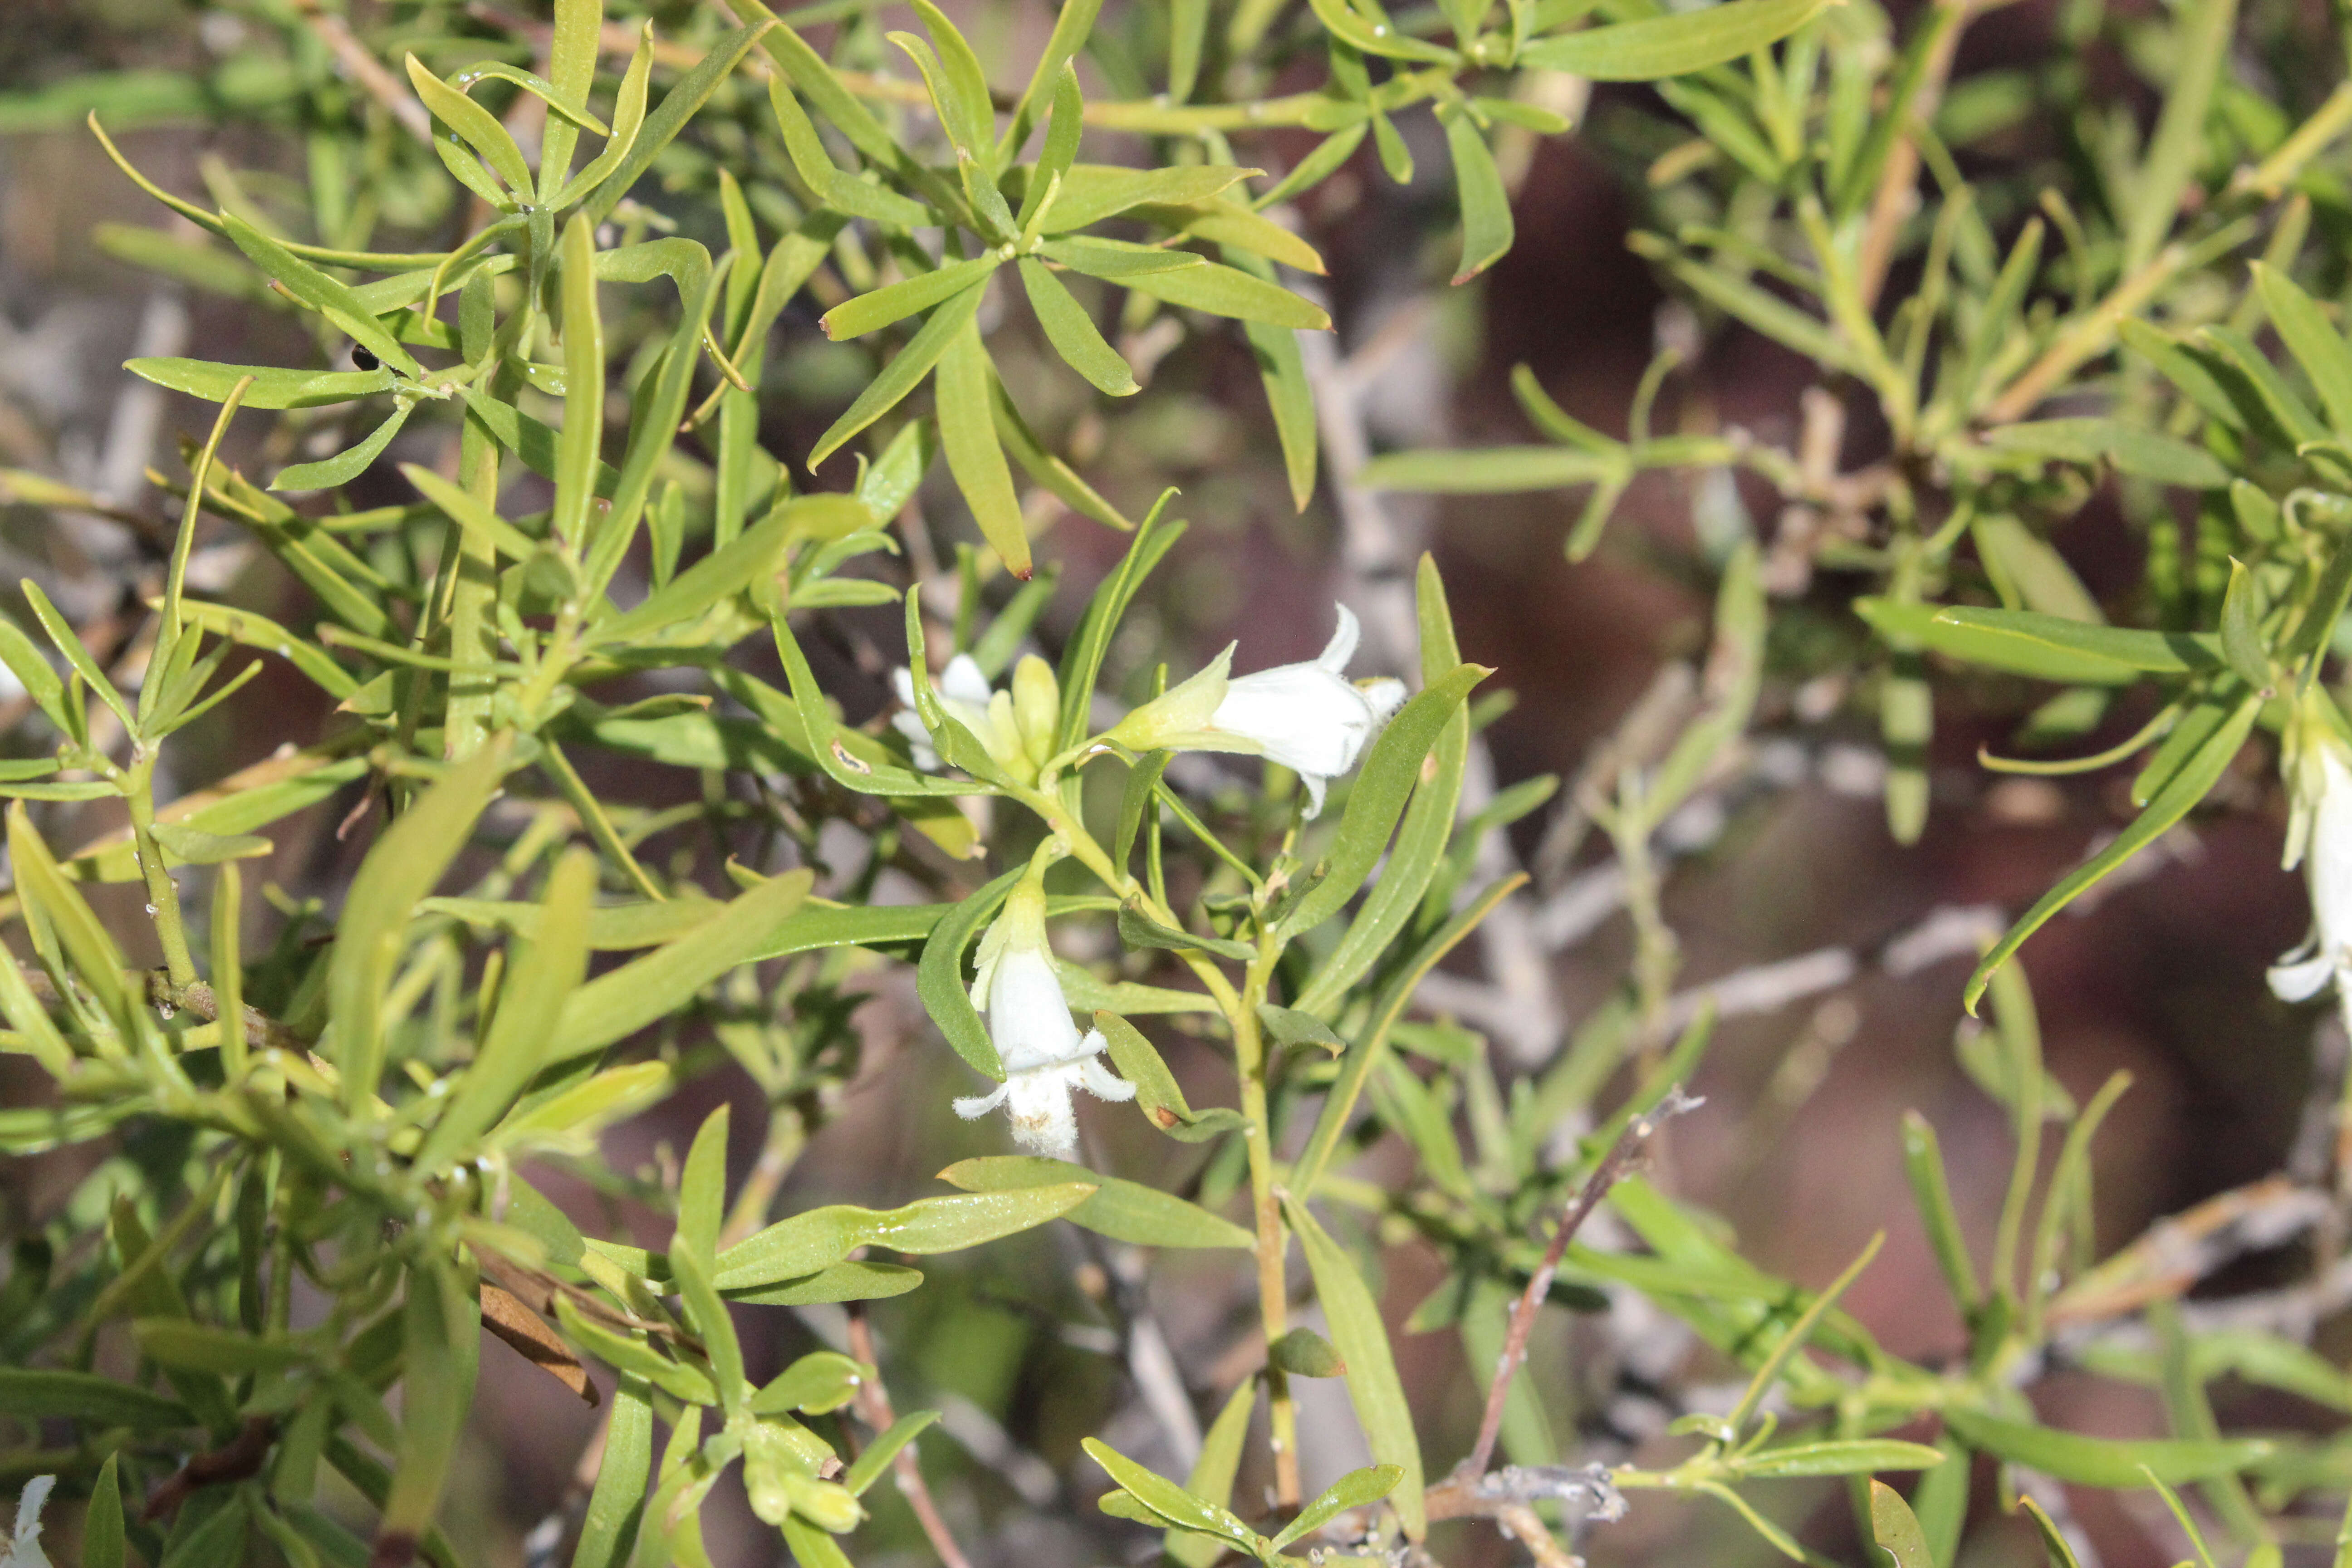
(1309, 717)
(2315, 756)
(1046, 1060)
(2325, 823)
(1015, 728)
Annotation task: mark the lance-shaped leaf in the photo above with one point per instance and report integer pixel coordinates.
(1074, 334)
(939, 978)
(618, 1004)
(1167, 1500)
(903, 373)
(959, 86)
(327, 473)
(1223, 291)
(330, 298)
(1357, 1488)
(478, 127)
(2105, 1461)
(1362, 1340)
(1387, 778)
(964, 398)
(2196, 776)
(1124, 1211)
(1090, 192)
(628, 121)
(272, 387)
(661, 127)
(1082, 657)
(1116, 259)
(1157, 1093)
(577, 447)
(1486, 227)
(897, 301)
(1660, 47)
(531, 1001)
(400, 869)
(817, 1237)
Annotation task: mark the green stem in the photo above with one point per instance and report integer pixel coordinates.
(1240, 1009)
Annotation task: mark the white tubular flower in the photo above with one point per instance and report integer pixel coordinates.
(2316, 759)
(1309, 717)
(1015, 727)
(1045, 1058)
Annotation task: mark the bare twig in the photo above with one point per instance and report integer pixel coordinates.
(1612, 1168)
(234, 1460)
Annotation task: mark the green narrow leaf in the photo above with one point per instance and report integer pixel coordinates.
(2047, 647)
(1896, 1529)
(609, 1530)
(1922, 1166)
(1660, 47)
(1357, 1488)
(2242, 634)
(2131, 450)
(940, 980)
(400, 869)
(2197, 776)
(1082, 658)
(439, 1338)
(1048, 470)
(572, 50)
(1388, 773)
(702, 1187)
(102, 1526)
(271, 388)
(1486, 227)
(2105, 1461)
(661, 127)
(1362, 1340)
(1071, 28)
(619, 1003)
(327, 473)
(577, 446)
(967, 422)
(628, 120)
(323, 293)
(1428, 826)
(2152, 204)
(531, 1001)
(1157, 1093)
(1166, 1499)
(903, 373)
(477, 125)
(817, 1238)
(1223, 291)
(1139, 930)
(1124, 1211)
(2313, 341)
(878, 1455)
(1116, 259)
(1073, 333)
(1211, 1479)
(961, 92)
(897, 301)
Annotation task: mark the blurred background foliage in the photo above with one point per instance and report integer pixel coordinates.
(1702, 409)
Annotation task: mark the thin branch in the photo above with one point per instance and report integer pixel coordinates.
(1613, 1169)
